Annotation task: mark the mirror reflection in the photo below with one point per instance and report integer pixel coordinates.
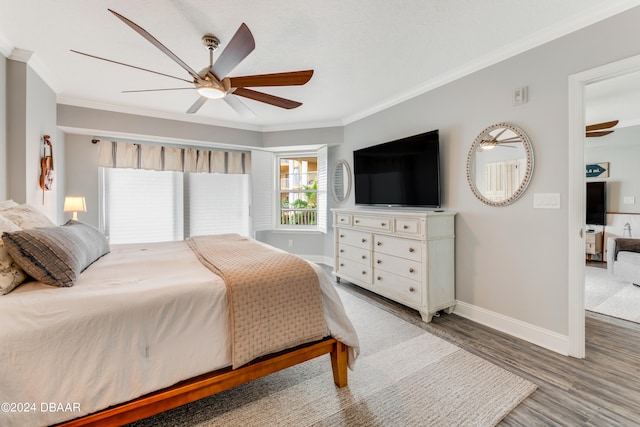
(341, 181)
(500, 164)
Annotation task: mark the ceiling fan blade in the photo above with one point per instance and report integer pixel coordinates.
(138, 29)
(132, 66)
(603, 125)
(240, 107)
(240, 45)
(293, 78)
(266, 98)
(596, 134)
(158, 90)
(196, 105)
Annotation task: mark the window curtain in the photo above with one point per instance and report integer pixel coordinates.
(114, 154)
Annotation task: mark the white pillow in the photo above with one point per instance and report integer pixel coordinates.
(7, 204)
(11, 275)
(27, 217)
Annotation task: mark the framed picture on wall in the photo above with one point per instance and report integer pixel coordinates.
(598, 170)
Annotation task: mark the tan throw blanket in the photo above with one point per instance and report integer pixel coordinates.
(274, 297)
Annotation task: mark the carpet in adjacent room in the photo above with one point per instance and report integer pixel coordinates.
(606, 295)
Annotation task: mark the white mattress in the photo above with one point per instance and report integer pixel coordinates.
(139, 319)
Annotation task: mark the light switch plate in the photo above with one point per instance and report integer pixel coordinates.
(546, 200)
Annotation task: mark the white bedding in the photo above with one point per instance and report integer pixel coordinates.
(139, 319)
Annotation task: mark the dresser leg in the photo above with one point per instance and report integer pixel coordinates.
(426, 316)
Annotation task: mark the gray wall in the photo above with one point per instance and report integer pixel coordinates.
(31, 113)
(509, 260)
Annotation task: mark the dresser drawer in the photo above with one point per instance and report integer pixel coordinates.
(343, 219)
(359, 239)
(372, 222)
(404, 248)
(353, 270)
(359, 255)
(411, 227)
(398, 288)
(399, 266)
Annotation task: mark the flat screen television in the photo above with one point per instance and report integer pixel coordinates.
(596, 203)
(404, 172)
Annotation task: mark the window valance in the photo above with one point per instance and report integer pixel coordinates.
(115, 154)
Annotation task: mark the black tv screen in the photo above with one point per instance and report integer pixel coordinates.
(596, 203)
(404, 172)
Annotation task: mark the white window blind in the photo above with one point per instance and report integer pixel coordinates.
(216, 204)
(142, 205)
(152, 206)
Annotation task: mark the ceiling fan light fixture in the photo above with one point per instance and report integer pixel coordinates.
(211, 92)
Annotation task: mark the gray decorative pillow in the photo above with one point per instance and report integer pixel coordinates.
(11, 275)
(56, 255)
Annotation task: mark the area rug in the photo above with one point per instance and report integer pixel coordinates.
(404, 377)
(606, 295)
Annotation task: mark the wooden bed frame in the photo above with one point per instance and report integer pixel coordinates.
(209, 384)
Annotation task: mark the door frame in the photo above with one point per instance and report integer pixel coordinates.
(576, 199)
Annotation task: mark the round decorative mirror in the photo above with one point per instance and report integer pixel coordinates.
(341, 181)
(500, 164)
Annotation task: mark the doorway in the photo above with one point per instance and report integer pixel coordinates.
(576, 199)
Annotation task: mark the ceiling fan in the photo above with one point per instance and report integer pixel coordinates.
(212, 82)
(600, 129)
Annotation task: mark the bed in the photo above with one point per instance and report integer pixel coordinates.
(143, 329)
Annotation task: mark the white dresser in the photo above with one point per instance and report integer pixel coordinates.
(403, 255)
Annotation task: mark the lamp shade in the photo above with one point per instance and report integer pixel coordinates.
(75, 205)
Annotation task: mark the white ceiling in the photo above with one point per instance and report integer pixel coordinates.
(367, 54)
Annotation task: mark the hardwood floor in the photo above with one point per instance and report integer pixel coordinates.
(601, 390)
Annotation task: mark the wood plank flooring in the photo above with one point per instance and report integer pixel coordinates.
(601, 390)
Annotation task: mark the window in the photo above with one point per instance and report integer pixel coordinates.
(301, 191)
(298, 190)
(152, 206)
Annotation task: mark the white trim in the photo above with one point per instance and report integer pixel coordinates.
(534, 334)
(577, 83)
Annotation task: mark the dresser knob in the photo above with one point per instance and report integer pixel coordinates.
(378, 278)
(341, 219)
(411, 250)
(364, 273)
(364, 240)
(341, 250)
(364, 257)
(379, 261)
(412, 289)
(379, 243)
(405, 227)
(357, 221)
(341, 265)
(411, 270)
(341, 236)
(382, 224)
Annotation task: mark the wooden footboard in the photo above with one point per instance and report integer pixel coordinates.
(215, 382)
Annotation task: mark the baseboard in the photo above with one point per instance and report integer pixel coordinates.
(534, 334)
